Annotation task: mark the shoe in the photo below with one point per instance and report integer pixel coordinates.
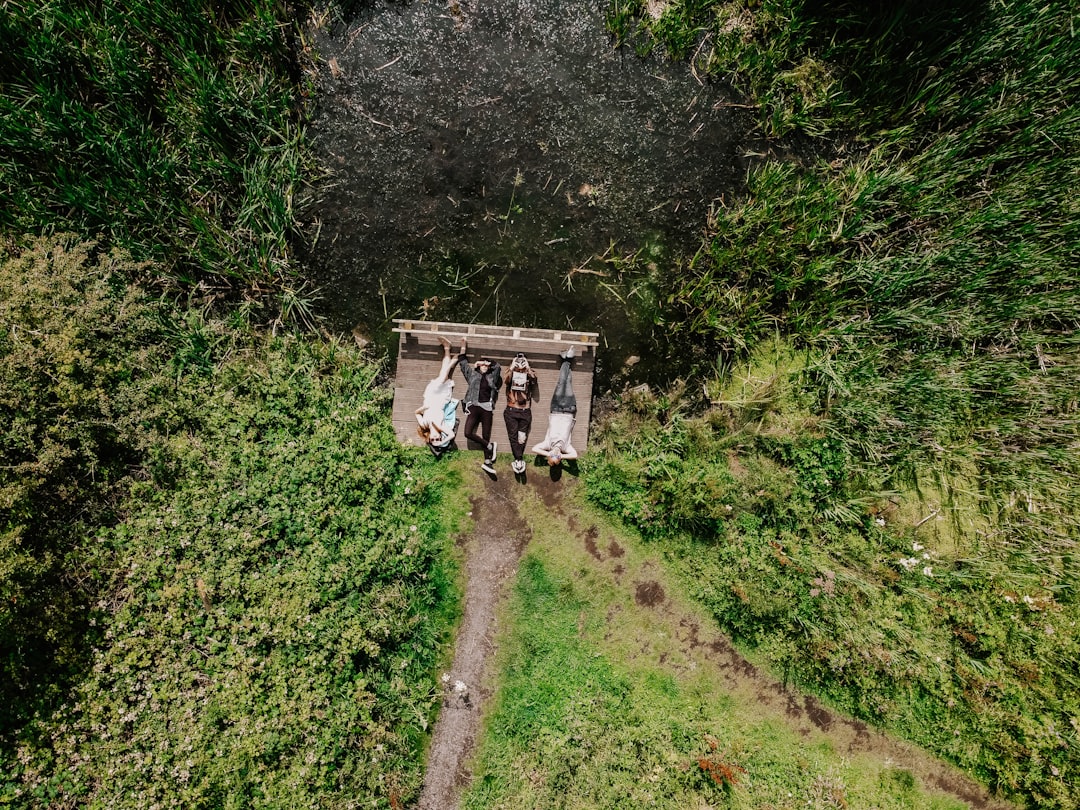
(493, 450)
(518, 466)
(488, 467)
(568, 354)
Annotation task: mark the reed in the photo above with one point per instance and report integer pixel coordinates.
(924, 273)
(172, 129)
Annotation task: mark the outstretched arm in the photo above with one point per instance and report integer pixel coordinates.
(467, 371)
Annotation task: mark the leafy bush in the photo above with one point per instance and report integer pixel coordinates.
(77, 366)
(271, 590)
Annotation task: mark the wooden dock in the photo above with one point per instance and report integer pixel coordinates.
(420, 354)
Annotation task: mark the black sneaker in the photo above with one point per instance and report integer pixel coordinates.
(488, 467)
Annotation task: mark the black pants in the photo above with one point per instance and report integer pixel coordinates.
(518, 421)
(478, 417)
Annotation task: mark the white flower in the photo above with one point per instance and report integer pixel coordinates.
(446, 677)
(879, 521)
(917, 546)
(412, 528)
(907, 563)
(928, 571)
(459, 687)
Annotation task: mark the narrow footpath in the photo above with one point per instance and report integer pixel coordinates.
(492, 554)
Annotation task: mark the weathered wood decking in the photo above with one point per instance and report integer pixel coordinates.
(420, 353)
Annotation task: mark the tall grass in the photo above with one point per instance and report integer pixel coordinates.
(925, 273)
(172, 129)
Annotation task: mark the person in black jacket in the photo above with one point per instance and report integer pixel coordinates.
(484, 379)
(521, 390)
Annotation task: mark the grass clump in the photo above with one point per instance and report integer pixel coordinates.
(264, 587)
(170, 129)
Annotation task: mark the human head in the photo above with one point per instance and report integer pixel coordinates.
(424, 432)
(483, 364)
(520, 362)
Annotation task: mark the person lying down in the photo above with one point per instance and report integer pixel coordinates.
(556, 445)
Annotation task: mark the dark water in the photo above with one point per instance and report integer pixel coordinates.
(500, 162)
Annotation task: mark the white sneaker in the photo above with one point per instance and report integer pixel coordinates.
(493, 450)
(518, 466)
(488, 467)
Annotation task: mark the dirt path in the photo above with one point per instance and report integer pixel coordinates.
(492, 556)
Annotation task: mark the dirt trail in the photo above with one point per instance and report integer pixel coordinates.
(492, 556)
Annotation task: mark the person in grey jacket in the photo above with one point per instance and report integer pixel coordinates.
(484, 379)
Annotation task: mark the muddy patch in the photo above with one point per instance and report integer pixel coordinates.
(590, 543)
(548, 484)
(648, 594)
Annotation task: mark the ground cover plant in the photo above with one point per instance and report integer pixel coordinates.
(266, 597)
(78, 372)
(881, 499)
(171, 129)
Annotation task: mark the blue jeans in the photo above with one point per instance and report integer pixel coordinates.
(563, 400)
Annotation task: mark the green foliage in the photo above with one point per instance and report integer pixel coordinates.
(271, 593)
(77, 371)
(171, 129)
(964, 642)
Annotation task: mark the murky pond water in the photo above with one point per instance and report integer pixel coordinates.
(498, 161)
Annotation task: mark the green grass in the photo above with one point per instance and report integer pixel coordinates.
(888, 341)
(601, 705)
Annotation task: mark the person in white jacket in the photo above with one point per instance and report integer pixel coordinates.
(431, 419)
(556, 445)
